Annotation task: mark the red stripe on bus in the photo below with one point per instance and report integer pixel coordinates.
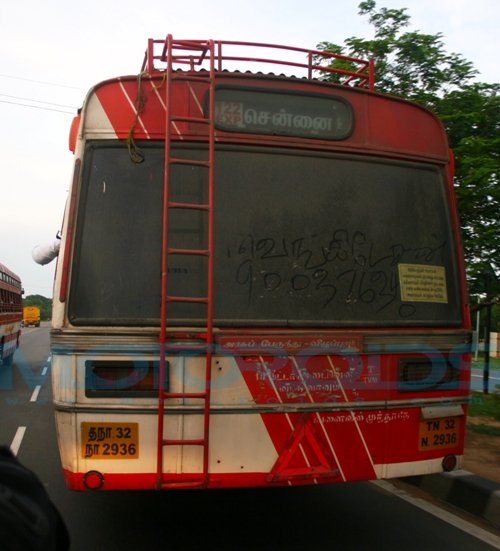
(144, 481)
(9, 338)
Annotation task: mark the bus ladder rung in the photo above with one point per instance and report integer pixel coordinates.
(200, 46)
(198, 120)
(198, 442)
(192, 300)
(197, 252)
(193, 162)
(194, 206)
(201, 395)
(187, 348)
(194, 45)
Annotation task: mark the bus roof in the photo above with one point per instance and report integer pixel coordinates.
(134, 106)
(384, 125)
(6, 270)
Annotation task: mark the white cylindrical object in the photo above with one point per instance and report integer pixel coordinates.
(43, 254)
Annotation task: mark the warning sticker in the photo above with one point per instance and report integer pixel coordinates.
(421, 283)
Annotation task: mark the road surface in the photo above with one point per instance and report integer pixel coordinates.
(355, 516)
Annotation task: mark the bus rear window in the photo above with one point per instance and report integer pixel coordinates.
(301, 240)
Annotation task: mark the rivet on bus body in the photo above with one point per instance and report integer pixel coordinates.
(93, 480)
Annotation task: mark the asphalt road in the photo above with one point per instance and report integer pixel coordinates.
(355, 516)
(477, 379)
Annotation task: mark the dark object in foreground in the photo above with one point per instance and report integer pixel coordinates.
(29, 521)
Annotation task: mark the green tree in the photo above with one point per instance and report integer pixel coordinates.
(45, 305)
(416, 66)
(495, 318)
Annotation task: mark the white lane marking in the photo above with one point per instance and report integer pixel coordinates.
(34, 396)
(44, 371)
(448, 517)
(18, 438)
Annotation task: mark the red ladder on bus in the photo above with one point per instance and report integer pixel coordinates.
(202, 50)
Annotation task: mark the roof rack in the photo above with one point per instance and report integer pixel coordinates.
(193, 53)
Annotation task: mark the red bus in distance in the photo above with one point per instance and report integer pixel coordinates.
(11, 314)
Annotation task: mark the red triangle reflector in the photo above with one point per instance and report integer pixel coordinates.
(321, 461)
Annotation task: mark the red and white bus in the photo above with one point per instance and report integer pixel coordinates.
(260, 280)
(11, 313)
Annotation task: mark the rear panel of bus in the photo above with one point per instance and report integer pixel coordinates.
(341, 336)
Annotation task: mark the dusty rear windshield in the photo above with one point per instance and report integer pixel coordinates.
(300, 240)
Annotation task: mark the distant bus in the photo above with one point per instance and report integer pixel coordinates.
(11, 313)
(260, 280)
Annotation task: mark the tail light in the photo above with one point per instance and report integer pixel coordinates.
(418, 374)
(93, 480)
(449, 463)
(109, 378)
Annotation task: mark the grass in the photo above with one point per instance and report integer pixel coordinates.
(494, 362)
(486, 406)
(484, 429)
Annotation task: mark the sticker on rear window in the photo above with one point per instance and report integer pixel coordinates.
(420, 283)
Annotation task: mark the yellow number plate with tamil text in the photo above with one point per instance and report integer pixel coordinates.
(110, 440)
(439, 433)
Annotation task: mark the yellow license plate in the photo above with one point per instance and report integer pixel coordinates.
(110, 440)
(439, 433)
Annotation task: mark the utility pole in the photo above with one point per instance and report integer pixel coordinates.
(476, 339)
(488, 277)
(486, 372)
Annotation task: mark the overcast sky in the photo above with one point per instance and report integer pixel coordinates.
(54, 51)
